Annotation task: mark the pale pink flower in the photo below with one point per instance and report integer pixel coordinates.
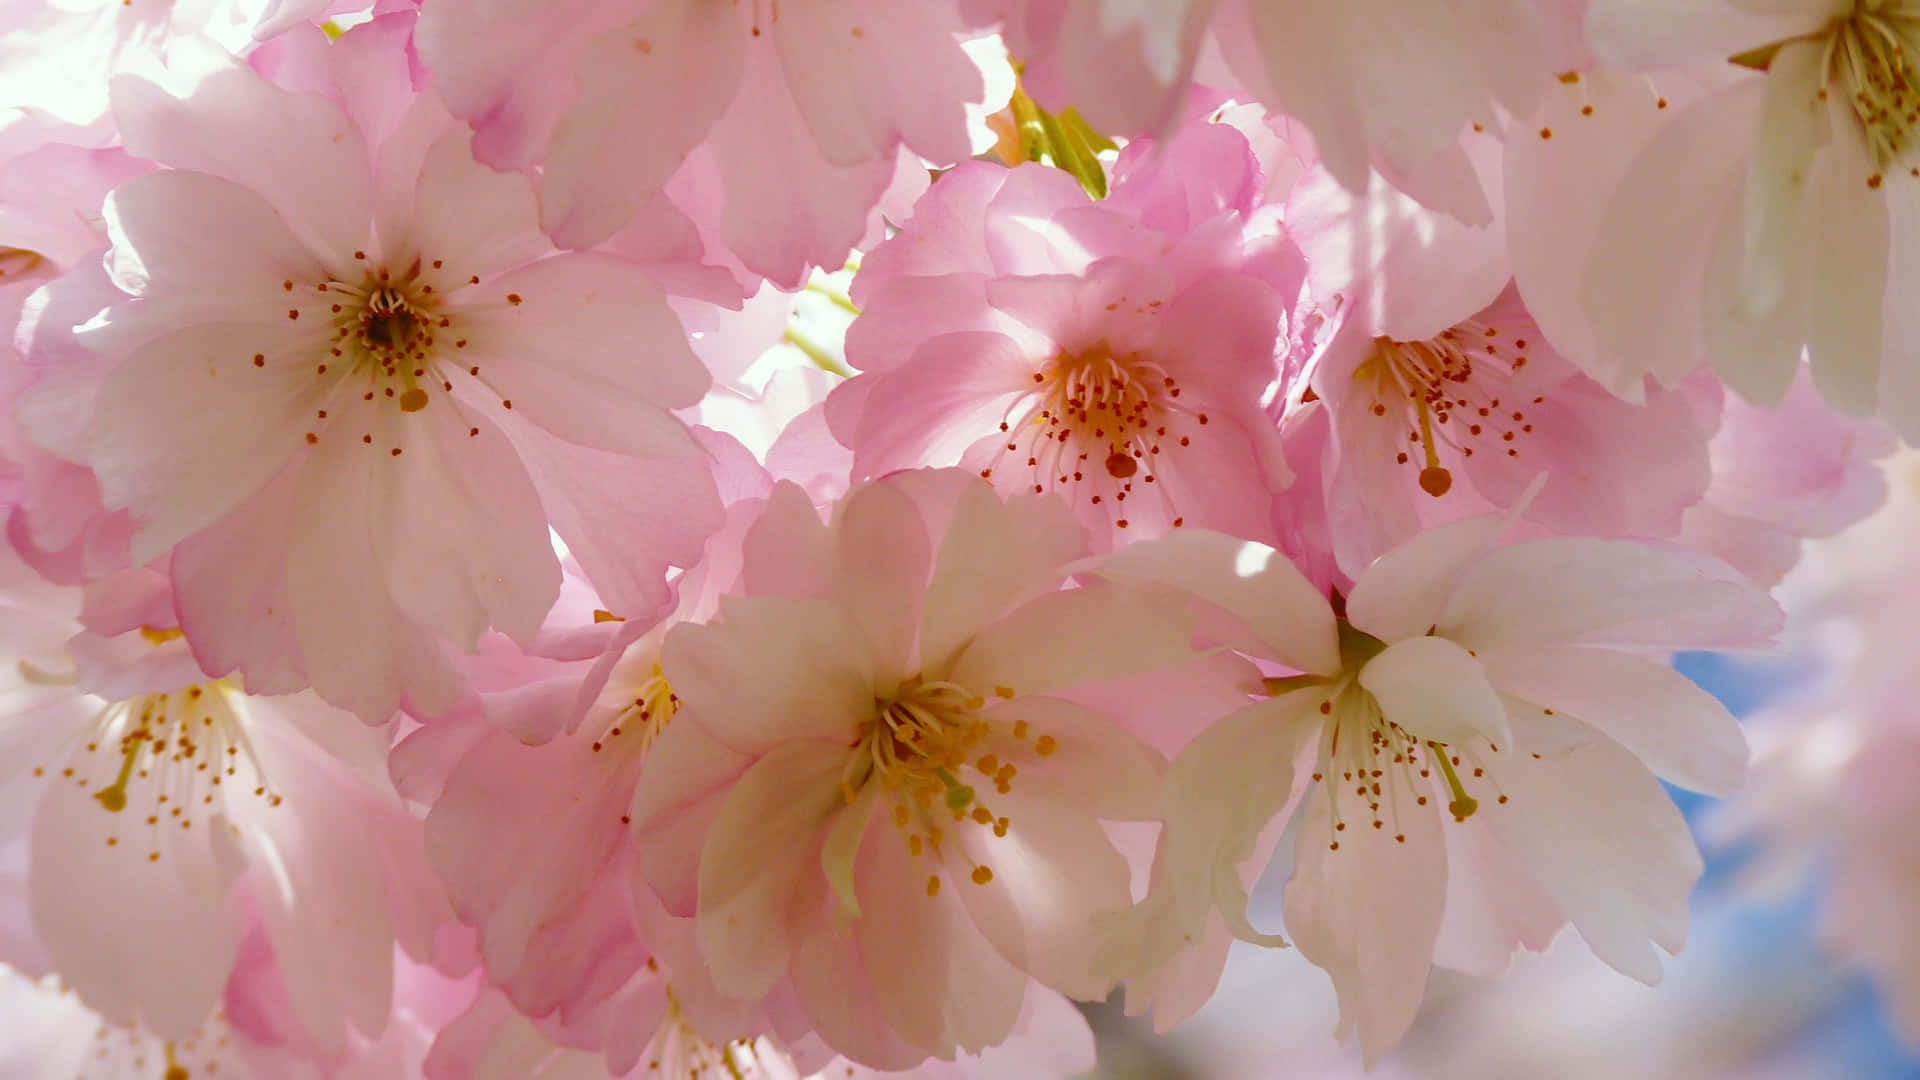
(214, 808)
(1782, 475)
(1471, 746)
(395, 388)
(1446, 399)
(1116, 353)
(794, 118)
(51, 224)
(875, 801)
(529, 828)
(1768, 217)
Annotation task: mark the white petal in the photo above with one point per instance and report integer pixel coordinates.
(1401, 595)
(756, 859)
(1605, 592)
(1682, 733)
(1367, 914)
(1604, 839)
(1432, 688)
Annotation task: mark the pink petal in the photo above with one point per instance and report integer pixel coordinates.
(1068, 639)
(1094, 764)
(1289, 618)
(359, 649)
(300, 152)
(596, 176)
(182, 478)
(757, 856)
(461, 532)
(773, 670)
(1052, 873)
(229, 592)
(957, 389)
(161, 961)
(624, 520)
(994, 557)
(673, 809)
(206, 242)
(869, 74)
(881, 558)
(935, 981)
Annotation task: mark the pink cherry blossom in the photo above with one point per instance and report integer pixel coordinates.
(50, 223)
(1782, 475)
(1115, 353)
(1446, 398)
(556, 927)
(214, 809)
(1772, 212)
(873, 801)
(412, 388)
(795, 116)
(1506, 689)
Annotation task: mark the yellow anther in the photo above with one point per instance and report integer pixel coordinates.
(982, 875)
(933, 886)
(1044, 745)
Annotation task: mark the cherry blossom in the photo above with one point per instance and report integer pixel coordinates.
(1470, 746)
(872, 797)
(401, 390)
(1447, 399)
(1076, 351)
(214, 809)
(1775, 208)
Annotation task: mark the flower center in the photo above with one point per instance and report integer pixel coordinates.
(170, 758)
(1452, 392)
(1868, 55)
(1094, 426)
(385, 339)
(649, 704)
(385, 329)
(1375, 770)
(917, 747)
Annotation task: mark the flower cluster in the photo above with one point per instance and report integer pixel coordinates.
(674, 538)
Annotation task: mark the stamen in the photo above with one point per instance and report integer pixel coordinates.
(1463, 805)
